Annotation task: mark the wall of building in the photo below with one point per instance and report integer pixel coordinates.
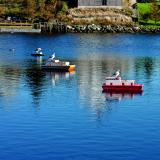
(100, 3)
(114, 3)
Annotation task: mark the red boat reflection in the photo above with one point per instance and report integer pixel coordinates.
(118, 96)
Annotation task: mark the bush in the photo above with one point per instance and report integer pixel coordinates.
(145, 16)
(143, 1)
(64, 7)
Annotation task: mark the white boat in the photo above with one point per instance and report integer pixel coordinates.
(53, 64)
(38, 52)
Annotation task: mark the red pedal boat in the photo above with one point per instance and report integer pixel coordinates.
(116, 84)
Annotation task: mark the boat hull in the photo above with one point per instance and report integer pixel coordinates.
(136, 88)
(37, 55)
(56, 68)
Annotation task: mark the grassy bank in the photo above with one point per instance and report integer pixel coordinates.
(144, 8)
(145, 14)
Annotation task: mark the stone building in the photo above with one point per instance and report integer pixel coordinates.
(105, 3)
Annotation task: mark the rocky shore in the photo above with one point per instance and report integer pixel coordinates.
(110, 29)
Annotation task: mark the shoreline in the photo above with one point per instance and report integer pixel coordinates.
(110, 29)
(85, 29)
(20, 30)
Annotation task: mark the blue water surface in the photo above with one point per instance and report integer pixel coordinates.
(53, 115)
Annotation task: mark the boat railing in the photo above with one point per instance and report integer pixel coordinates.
(113, 78)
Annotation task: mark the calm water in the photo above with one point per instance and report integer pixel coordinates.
(46, 116)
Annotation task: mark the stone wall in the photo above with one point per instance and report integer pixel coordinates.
(110, 29)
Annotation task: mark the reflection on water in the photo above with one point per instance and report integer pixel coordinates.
(38, 80)
(58, 76)
(116, 97)
(91, 73)
(145, 66)
(9, 80)
(35, 79)
(39, 60)
(71, 104)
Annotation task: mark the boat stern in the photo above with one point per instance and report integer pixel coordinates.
(72, 67)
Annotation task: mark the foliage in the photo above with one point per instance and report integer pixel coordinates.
(144, 8)
(145, 17)
(143, 1)
(32, 10)
(29, 9)
(149, 13)
(2, 10)
(64, 7)
(155, 11)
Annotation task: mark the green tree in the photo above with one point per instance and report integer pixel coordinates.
(155, 11)
(2, 10)
(61, 6)
(33, 10)
(29, 9)
(50, 9)
(145, 17)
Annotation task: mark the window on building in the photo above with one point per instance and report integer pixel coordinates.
(104, 2)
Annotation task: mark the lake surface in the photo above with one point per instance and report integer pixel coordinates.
(48, 115)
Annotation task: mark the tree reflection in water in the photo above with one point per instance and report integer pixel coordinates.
(9, 77)
(144, 66)
(35, 79)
